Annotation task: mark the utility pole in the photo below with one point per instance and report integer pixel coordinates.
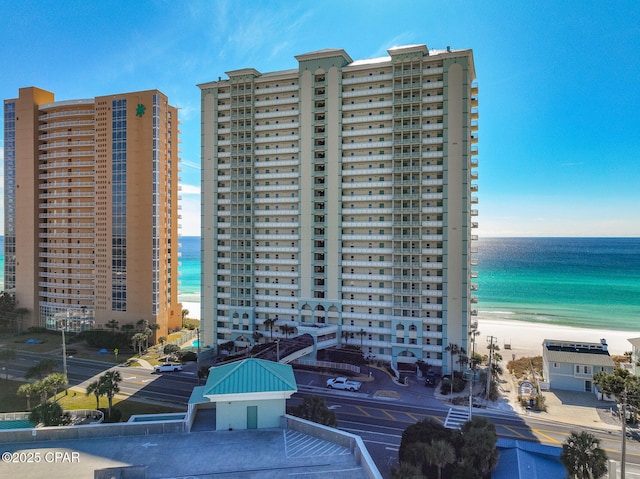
(624, 434)
(278, 350)
(490, 371)
(64, 354)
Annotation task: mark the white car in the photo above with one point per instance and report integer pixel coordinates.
(343, 383)
(167, 367)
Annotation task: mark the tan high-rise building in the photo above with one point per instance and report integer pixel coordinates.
(91, 209)
(338, 200)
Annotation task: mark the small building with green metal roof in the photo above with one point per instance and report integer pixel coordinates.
(247, 394)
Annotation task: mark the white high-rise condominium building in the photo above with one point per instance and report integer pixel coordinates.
(338, 200)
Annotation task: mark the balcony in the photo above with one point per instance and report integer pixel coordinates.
(67, 154)
(66, 124)
(367, 79)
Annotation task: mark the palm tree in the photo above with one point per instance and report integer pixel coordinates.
(96, 388)
(417, 454)
(110, 381)
(138, 339)
(454, 350)
(406, 471)
(112, 325)
(269, 323)
(582, 457)
(55, 382)
(439, 453)
(27, 390)
(286, 329)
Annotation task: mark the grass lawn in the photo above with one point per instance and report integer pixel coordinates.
(10, 402)
(49, 341)
(129, 407)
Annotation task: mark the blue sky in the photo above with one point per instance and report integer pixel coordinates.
(559, 83)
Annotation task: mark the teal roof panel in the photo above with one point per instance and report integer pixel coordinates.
(250, 376)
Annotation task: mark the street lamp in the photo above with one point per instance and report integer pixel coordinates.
(278, 350)
(64, 356)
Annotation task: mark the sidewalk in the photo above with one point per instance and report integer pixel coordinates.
(577, 408)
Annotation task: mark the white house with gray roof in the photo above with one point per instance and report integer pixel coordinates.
(570, 365)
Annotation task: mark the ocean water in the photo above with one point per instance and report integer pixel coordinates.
(580, 282)
(189, 289)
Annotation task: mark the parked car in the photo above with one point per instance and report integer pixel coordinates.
(343, 383)
(430, 379)
(167, 367)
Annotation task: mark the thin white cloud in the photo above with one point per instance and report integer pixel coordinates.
(190, 190)
(190, 164)
(190, 222)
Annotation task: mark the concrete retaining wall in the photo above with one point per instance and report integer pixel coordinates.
(90, 431)
(353, 442)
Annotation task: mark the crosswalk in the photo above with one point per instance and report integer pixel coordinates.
(456, 418)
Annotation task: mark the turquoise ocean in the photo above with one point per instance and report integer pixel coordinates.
(581, 282)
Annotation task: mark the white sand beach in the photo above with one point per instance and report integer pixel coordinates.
(194, 309)
(525, 338)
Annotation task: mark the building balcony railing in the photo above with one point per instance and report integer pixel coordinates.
(60, 184)
(67, 113)
(47, 294)
(47, 274)
(66, 164)
(66, 124)
(47, 235)
(65, 266)
(47, 284)
(66, 134)
(367, 79)
(67, 154)
(66, 144)
(67, 174)
(367, 92)
(66, 255)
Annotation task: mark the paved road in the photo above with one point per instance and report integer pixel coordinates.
(379, 412)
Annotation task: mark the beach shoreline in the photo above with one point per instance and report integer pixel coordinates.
(524, 338)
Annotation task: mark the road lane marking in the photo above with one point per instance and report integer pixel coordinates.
(537, 431)
(416, 419)
(359, 408)
(390, 416)
(519, 434)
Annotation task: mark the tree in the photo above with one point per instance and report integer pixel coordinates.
(28, 391)
(112, 325)
(406, 471)
(97, 389)
(185, 315)
(286, 329)
(54, 383)
(6, 356)
(269, 323)
(257, 336)
(153, 328)
(454, 350)
(313, 408)
(110, 381)
(582, 457)
(439, 453)
(49, 414)
(138, 340)
(42, 369)
(479, 440)
(170, 349)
